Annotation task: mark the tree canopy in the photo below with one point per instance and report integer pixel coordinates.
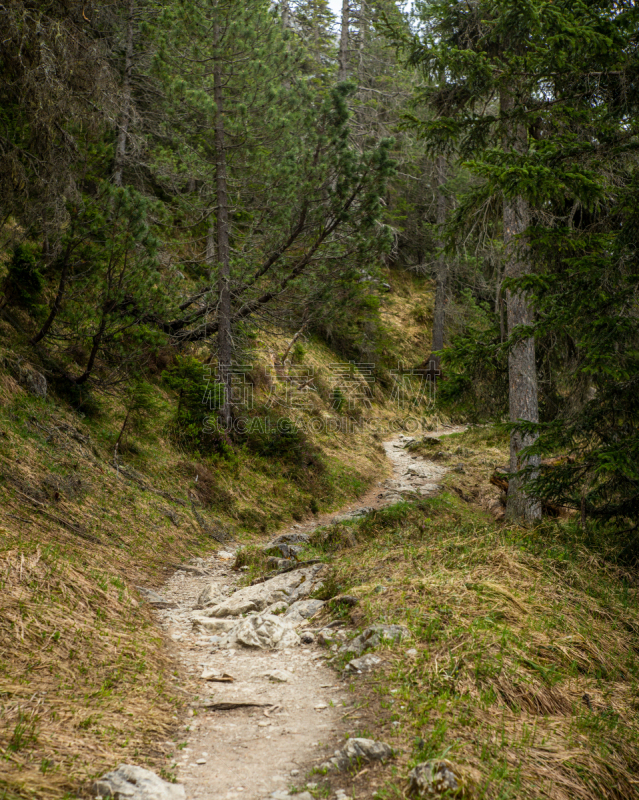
(185, 176)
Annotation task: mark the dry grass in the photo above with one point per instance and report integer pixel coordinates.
(526, 672)
(84, 677)
(407, 315)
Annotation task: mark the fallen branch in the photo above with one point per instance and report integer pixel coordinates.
(65, 523)
(220, 535)
(228, 705)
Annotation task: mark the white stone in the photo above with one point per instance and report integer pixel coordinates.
(209, 674)
(211, 624)
(264, 631)
(363, 664)
(303, 609)
(433, 778)
(277, 608)
(209, 596)
(288, 588)
(278, 676)
(129, 782)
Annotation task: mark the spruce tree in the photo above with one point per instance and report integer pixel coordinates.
(528, 97)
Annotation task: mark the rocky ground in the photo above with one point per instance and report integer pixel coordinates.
(268, 707)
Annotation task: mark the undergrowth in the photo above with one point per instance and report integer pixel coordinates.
(524, 669)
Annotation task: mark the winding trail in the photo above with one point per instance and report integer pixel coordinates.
(305, 708)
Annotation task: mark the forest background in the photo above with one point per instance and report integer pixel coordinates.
(178, 177)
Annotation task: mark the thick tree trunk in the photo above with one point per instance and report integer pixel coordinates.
(123, 132)
(342, 71)
(285, 13)
(224, 335)
(522, 370)
(441, 269)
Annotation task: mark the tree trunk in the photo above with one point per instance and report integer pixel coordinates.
(95, 347)
(342, 71)
(285, 14)
(122, 429)
(499, 309)
(224, 336)
(363, 35)
(58, 299)
(441, 269)
(210, 250)
(123, 132)
(522, 371)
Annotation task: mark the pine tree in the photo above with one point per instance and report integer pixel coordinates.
(280, 143)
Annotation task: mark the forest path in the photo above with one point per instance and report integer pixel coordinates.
(253, 752)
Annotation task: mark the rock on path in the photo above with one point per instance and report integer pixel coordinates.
(283, 711)
(250, 751)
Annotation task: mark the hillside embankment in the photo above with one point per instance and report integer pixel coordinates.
(516, 669)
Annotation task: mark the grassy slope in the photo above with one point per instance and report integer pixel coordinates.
(526, 671)
(525, 675)
(85, 679)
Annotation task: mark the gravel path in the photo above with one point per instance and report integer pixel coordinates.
(302, 708)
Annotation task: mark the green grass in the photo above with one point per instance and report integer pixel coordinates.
(513, 628)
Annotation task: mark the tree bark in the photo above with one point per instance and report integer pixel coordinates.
(123, 132)
(224, 333)
(58, 299)
(363, 35)
(441, 269)
(522, 370)
(210, 250)
(97, 341)
(122, 429)
(342, 71)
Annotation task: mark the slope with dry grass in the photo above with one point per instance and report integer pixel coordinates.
(85, 678)
(523, 669)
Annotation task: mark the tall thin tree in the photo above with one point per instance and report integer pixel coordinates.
(224, 334)
(441, 267)
(342, 72)
(522, 370)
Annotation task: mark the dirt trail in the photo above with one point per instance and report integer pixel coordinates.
(252, 752)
